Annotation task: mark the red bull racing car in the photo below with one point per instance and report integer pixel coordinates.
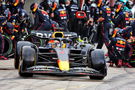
(61, 54)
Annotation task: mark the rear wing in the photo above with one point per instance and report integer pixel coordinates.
(50, 34)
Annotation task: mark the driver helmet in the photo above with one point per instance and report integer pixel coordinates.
(54, 43)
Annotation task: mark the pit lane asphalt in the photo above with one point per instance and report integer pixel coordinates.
(117, 79)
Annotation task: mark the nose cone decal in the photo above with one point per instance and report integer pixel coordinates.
(63, 58)
(63, 65)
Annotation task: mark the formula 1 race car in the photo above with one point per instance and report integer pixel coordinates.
(60, 55)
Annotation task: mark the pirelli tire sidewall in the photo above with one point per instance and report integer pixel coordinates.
(20, 44)
(28, 55)
(98, 61)
(27, 59)
(8, 46)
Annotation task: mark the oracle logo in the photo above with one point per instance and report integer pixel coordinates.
(44, 35)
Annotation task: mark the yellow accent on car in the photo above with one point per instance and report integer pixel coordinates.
(63, 65)
(60, 34)
(64, 46)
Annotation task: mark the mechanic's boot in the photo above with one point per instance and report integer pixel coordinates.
(127, 65)
(111, 64)
(119, 63)
(3, 58)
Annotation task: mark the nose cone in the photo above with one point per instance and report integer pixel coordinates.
(63, 65)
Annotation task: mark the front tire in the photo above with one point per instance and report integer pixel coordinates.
(28, 56)
(98, 63)
(19, 45)
(104, 71)
(21, 73)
